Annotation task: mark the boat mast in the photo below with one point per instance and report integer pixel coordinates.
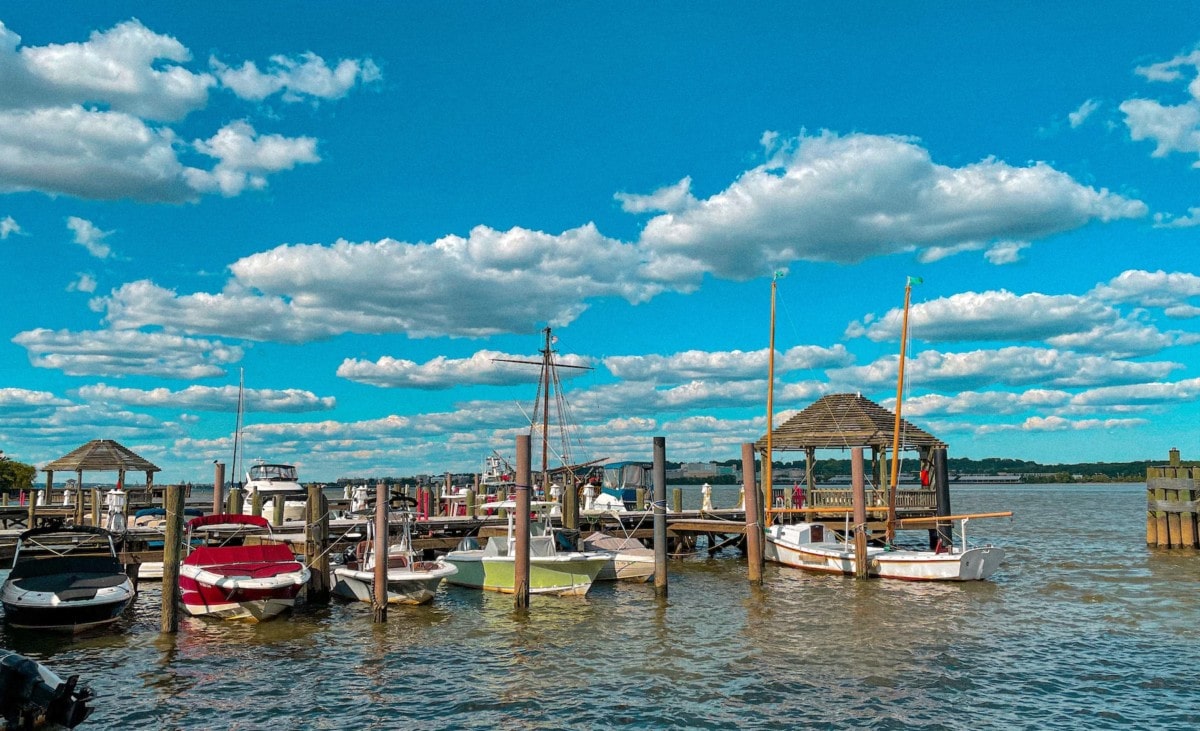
(768, 488)
(890, 533)
(237, 426)
(547, 383)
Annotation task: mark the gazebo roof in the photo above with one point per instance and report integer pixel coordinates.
(101, 455)
(844, 420)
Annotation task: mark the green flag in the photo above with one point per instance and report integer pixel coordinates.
(780, 274)
(915, 280)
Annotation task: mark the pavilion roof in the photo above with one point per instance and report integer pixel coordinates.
(101, 455)
(844, 420)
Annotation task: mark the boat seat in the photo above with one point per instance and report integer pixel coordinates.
(66, 565)
(253, 570)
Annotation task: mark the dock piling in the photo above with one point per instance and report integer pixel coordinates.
(379, 598)
(172, 543)
(1172, 504)
(218, 486)
(859, 503)
(660, 517)
(521, 528)
(754, 529)
(317, 541)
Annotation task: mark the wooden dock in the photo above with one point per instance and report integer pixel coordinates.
(1173, 505)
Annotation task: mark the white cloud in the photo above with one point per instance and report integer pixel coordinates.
(126, 352)
(1061, 424)
(84, 282)
(244, 158)
(297, 78)
(1014, 366)
(209, 398)
(670, 199)
(90, 237)
(90, 119)
(454, 286)
(1169, 291)
(1006, 252)
(8, 225)
(487, 367)
(1086, 323)
(846, 198)
(1166, 220)
(736, 364)
(1085, 110)
(1172, 127)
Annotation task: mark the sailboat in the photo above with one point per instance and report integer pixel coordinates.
(805, 545)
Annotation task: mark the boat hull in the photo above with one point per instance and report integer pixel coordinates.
(405, 586)
(627, 567)
(562, 575)
(254, 583)
(47, 611)
(786, 545)
(231, 602)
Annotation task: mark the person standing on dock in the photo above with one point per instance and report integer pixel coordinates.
(797, 495)
(706, 497)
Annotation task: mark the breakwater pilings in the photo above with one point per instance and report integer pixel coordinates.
(1172, 504)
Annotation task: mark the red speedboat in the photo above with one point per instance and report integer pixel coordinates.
(235, 580)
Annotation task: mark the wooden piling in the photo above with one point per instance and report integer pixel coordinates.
(859, 502)
(218, 486)
(277, 513)
(97, 502)
(172, 545)
(1172, 505)
(316, 541)
(660, 517)
(640, 498)
(677, 496)
(754, 529)
(944, 533)
(469, 503)
(521, 524)
(379, 599)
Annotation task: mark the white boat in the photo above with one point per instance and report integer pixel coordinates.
(65, 579)
(276, 482)
(629, 559)
(804, 546)
(252, 581)
(551, 571)
(156, 519)
(409, 580)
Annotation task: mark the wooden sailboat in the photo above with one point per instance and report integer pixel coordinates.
(805, 545)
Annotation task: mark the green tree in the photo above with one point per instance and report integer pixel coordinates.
(16, 475)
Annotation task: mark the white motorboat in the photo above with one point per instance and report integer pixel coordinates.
(409, 579)
(629, 559)
(276, 482)
(65, 579)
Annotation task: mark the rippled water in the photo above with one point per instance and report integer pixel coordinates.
(1083, 627)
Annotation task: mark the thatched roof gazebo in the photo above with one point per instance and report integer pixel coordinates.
(100, 455)
(843, 421)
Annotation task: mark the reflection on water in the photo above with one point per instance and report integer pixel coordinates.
(1084, 627)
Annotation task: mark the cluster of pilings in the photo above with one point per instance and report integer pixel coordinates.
(1172, 504)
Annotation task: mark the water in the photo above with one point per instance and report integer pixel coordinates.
(1083, 627)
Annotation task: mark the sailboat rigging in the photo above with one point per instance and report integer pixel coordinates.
(890, 530)
(237, 428)
(550, 386)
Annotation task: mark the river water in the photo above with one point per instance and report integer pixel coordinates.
(1083, 627)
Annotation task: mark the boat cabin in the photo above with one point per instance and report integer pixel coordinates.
(273, 472)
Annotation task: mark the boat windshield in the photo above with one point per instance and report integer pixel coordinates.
(278, 472)
(626, 475)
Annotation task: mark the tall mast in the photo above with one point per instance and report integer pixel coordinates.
(891, 514)
(768, 488)
(237, 425)
(547, 381)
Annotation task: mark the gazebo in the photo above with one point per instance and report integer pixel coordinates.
(98, 455)
(843, 421)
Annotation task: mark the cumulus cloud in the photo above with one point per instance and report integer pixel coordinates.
(296, 79)
(1172, 127)
(209, 398)
(725, 365)
(488, 282)
(1176, 292)
(672, 198)
(846, 198)
(90, 237)
(8, 225)
(245, 158)
(1014, 366)
(487, 367)
(1086, 322)
(1085, 110)
(84, 282)
(1166, 220)
(91, 119)
(126, 353)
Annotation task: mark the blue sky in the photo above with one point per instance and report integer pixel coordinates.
(362, 205)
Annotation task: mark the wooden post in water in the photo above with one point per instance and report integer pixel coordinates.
(317, 529)
(677, 497)
(218, 486)
(379, 598)
(660, 517)
(859, 501)
(521, 524)
(944, 533)
(469, 503)
(570, 504)
(96, 503)
(1172, 504)
(256, 503)
(754, 529)
(172, 543)
(640, 498)
(277, 513)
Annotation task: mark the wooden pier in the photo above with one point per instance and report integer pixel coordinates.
(1172, 505)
